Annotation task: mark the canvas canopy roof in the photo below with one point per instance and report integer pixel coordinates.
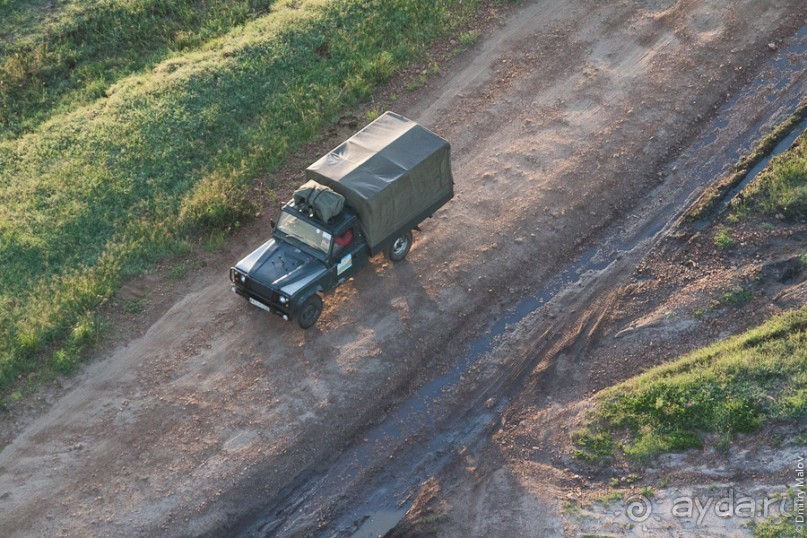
(390, 173)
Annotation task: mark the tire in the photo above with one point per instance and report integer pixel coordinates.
(309, 312)
(400, 247)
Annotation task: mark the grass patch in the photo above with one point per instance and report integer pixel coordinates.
(593, 445)
(469, 38)
(610, 498)
(178, 272)
(135, 306)
(104, 190)
(710, 200)
(215, 242)
(734, 297)
(730, 387)
(779, 527)
(737, 296)
(703, 311)
(723, 239)
(570, 508)
(647, 491)
(64, 56)
(781, 189)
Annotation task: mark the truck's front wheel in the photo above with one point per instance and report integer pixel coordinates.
(310, 311)
(400, 248)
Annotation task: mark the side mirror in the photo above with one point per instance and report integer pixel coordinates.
(272, 223)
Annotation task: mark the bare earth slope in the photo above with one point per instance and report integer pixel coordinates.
(559, 123)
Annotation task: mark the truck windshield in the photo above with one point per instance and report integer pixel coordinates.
(304, 231)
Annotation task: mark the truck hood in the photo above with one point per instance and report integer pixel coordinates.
(281, 266)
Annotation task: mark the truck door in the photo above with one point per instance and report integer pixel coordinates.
(349, 254)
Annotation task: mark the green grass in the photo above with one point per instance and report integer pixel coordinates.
(781, 189)
(102, 190)
(135, 306)
(610, 498)
(647, 491)
(780, 527)
(62, 56)
(570, 508)
(592, 445)
(730, 387)
(704, 311)
(737, 296)
(469, 38)
(723, 239)
(710, 201)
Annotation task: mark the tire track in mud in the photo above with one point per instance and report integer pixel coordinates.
(372, 484)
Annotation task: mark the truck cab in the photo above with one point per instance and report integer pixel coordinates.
(304, 257)
(362, 198)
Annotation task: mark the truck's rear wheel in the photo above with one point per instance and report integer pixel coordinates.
(310, 311)
(400, 247)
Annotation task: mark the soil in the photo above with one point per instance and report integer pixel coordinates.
(201, 411)
(523, 479)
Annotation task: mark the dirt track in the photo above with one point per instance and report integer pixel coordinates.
(559, 123)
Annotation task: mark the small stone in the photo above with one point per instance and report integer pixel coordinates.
(772, 46)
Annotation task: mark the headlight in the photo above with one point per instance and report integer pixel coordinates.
(243, 278)
(284, 300)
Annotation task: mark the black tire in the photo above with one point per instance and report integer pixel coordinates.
(309, 312)
(400, 247)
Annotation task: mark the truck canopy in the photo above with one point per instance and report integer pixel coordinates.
(393, 172)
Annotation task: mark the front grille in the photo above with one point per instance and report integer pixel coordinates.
(267, 295)
(251, 288)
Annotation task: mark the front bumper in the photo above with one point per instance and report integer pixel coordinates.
(262, 304)
(272, 304)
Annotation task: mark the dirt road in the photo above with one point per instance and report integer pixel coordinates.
(559, 123)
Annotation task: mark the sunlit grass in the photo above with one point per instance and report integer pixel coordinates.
(103, 188)
(731, 387)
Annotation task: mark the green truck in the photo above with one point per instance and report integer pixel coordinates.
(362, 198)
